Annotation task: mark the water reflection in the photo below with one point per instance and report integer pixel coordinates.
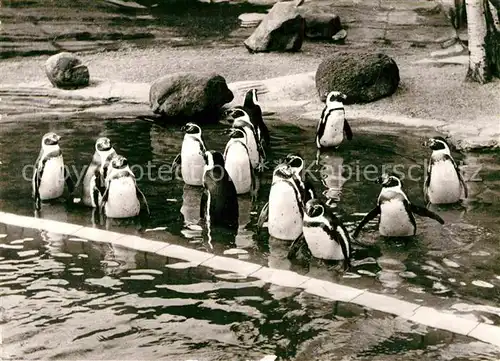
(190, 209)
(332, 178)
(244, 237)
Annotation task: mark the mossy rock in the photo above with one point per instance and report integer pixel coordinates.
(66, 71)
(363, 77)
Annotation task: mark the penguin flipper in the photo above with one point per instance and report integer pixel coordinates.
(408, 208)
(264, 215)
(310, 193)
(176, 164)
(459, 174)
(424, 212)
(296, 246)
(36, 189)
(347, 130)
(371, 215)
(69, 181)
(203, 204)
(142, 200)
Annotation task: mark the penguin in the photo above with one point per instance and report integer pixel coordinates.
(332, 124)
(241, 119)
(50, 175)
(324, 233)
(296, 163)
(252, 104)
(219, 201)
(103, 154)
(284, 210)
(237, 162)
(444, 182)
(122, 197)
(190, 159)
(395, 210)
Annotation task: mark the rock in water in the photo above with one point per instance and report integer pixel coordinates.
(283, 29)
(66, 71)
(189, 96)
(363, 77)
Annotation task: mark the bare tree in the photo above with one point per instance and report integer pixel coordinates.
(484, 40)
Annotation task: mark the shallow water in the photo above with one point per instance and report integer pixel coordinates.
(438, 268)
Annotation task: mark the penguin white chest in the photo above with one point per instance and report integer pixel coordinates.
(253, 150)
(52, 180)
(285, 219)
(192, 162)
(444, 186)
(394, 220)
(333, 133)
(319, 242)
(122, 199)
(237, 164)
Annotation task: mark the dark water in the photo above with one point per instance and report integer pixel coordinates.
(89, 310)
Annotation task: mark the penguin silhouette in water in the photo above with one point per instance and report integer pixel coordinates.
(219, 202)
(240, 118)
(325, 235)
(103, 154)
(121, 198)
(237, 162)
(252, 105)
(444, 183)
(50, 175)
(190, 159)
(332, 125)
(395, 210)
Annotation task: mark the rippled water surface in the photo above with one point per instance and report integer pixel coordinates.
(66, 298)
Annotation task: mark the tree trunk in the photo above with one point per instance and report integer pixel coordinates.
(479, 70)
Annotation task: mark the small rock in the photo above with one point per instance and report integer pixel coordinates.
(340, 37)
(66, 71)
(251, 20)
(363, 77)
(190, 95)
(482, 284)
(320, 25)
(283, 29)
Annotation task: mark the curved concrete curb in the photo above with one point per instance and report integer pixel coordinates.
(414, 312)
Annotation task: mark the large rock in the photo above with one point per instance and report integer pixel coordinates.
(363, 77)
(283, 29)
(320, 25)
(189, 96)
(66, 71)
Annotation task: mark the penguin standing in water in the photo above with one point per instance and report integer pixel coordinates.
(219, 202)
(252, 104)
(237, 162)
(190, 158)
(332, 124)
(395, 210)
(444, 182)
(103, 154)
(241, 119)
(285, 209)
(122, 197)
(50, 175)
(324, 233)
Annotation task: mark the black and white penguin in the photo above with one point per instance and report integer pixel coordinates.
(296, 163)
(122, 197)
(241, 119)
(444, 183)
(190, 159)
(284, 210)
(237, 162)
(332, 124)
(252, 104)
(103, 154)
(219, 202)
(395, 210)
(50, 175)
(324, 233)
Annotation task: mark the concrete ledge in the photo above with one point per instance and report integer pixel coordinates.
(387, 304)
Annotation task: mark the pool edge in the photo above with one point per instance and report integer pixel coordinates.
(428, 316)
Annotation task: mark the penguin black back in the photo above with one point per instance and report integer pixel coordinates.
(219, 202)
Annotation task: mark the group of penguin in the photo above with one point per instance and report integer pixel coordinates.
(293, 212)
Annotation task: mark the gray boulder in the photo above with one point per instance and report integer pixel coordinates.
(66, 71)
(363, 77)
(283, 29)
(320, 25)
(189, 96)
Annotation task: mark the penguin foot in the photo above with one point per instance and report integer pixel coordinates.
(261, 167)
